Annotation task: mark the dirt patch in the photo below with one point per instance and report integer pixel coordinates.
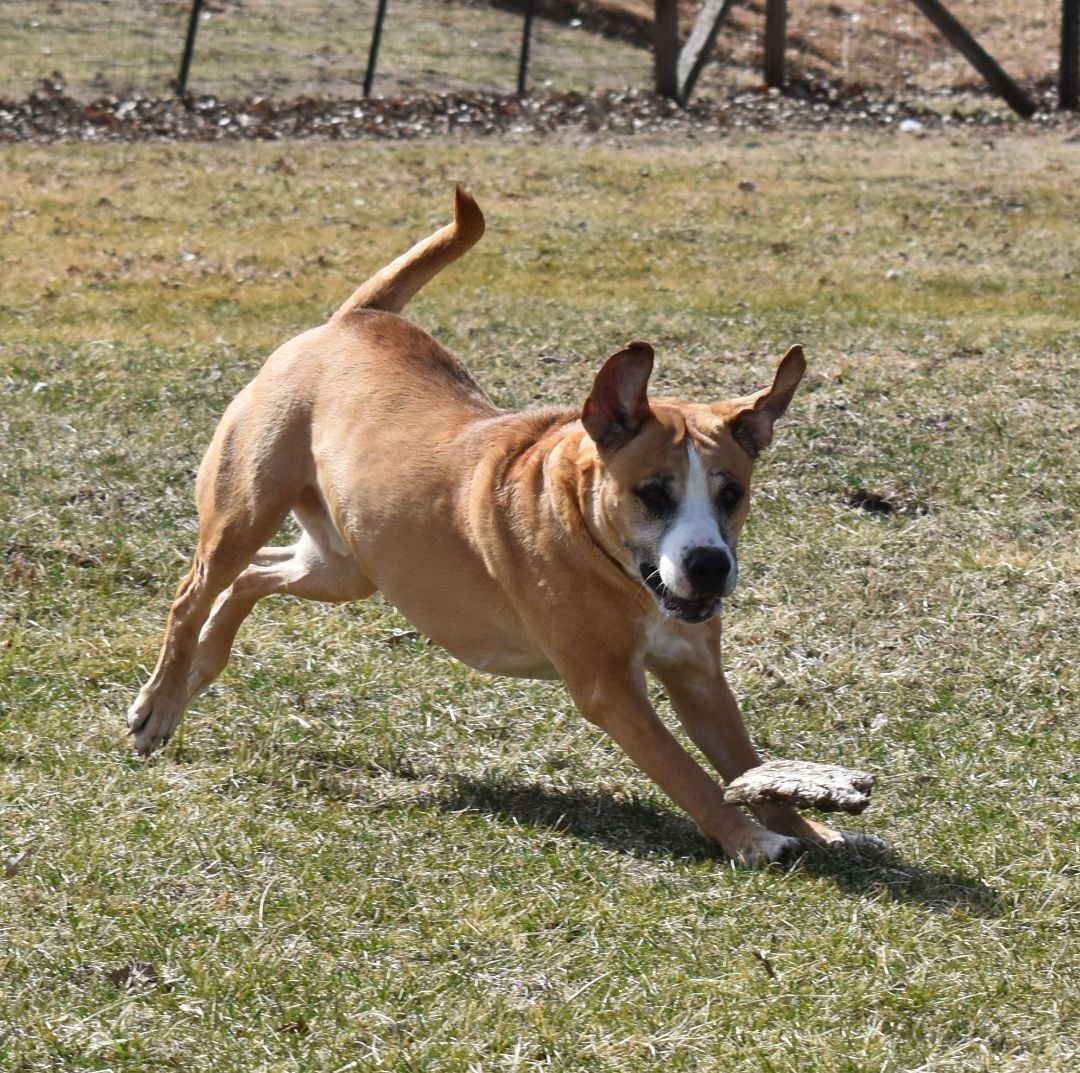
(886, 506)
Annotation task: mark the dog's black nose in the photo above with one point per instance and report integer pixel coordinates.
(707, 570)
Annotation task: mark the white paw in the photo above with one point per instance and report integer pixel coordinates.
(151, 722)
(863, 841)
(821, 835)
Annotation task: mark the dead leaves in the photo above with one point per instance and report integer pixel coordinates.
(50, 115)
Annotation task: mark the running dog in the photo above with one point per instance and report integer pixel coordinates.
(591, 543)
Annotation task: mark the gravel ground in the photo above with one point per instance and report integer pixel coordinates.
(50, 115)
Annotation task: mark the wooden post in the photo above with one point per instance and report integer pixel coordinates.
(666, 48)
(373, 52)
(957, 36)
(189, 48)
(698, 45)
(775, 41)
(1068, 74)
(526, 39)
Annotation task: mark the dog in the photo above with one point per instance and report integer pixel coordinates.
(590, 543)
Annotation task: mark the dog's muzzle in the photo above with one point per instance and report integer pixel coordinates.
(697, 608)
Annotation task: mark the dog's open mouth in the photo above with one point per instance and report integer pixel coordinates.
(689, 609)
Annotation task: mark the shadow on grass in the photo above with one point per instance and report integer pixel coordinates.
(635, 828)
(629, 827)
(644, 831)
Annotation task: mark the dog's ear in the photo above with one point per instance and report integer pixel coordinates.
(752, 425)
(618, 404)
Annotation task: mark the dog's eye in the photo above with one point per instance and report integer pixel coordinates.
(655, 498)
(729, 497)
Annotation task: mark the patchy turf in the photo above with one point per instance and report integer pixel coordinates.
(362, 855)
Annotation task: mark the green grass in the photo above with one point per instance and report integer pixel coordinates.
(362, 855)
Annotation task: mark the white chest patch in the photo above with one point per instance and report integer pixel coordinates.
(666, 644)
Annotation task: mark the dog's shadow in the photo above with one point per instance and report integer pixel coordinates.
(642, 830)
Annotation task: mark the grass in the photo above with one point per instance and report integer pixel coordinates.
(362, 855)
(264, 47)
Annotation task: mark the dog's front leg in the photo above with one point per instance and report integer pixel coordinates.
(708, 710)
(616, 700)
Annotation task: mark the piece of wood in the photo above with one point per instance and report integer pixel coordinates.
(699, 44)
(954, 32)
(803, 785)
(775, 42)
(666, 47)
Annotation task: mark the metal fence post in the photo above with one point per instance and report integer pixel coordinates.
(373, 53)
(1068, 75)
(526, 39)
(189, 48)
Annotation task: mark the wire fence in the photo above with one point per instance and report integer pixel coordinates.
(295, 47)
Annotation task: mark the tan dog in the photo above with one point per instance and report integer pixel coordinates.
(590, 544)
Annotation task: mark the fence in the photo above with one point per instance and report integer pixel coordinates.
(297, 47)
(294, 47)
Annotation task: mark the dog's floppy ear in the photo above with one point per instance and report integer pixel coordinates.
(752, 425)
(618, 404)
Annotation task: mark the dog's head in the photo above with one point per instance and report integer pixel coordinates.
(675, 478)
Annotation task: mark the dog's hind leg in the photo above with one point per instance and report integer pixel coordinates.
(252, 475)
(310, 569)
(231, 571)
(224, 550)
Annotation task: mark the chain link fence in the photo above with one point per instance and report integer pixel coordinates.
(297, 47)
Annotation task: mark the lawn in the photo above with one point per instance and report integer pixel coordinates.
(360, 855)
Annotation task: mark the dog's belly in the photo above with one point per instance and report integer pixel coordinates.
(479, 637)
(454, 602)
(512, 664)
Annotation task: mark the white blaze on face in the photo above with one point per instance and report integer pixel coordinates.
(695, 526)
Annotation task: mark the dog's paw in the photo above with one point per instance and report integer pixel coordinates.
(862, 842)
(823, 837)
(151, 722)
(767, 848)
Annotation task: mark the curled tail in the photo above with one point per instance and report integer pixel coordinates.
(392, 287)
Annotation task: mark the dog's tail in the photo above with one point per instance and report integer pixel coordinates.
(392, 287)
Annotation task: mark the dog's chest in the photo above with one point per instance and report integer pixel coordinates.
(666, 641)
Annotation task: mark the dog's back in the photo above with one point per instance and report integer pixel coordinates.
(373, 354)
